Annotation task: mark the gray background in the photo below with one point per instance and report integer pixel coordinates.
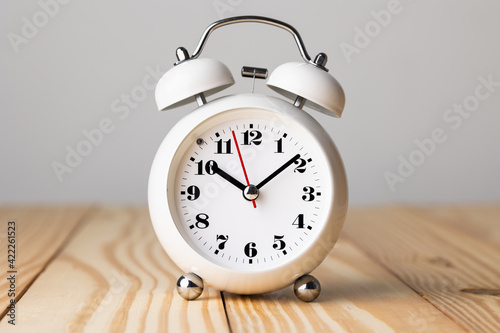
(67, 75)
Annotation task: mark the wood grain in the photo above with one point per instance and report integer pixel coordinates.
(40, 234)
(481, 221)
(396, 269)
(357, 295)
(455, 271)
(115, 277)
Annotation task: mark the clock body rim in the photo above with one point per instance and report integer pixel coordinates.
(233, 280)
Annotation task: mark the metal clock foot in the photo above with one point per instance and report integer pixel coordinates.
(307, 288)
(190, 286)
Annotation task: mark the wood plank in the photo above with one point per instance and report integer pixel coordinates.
(455, 271)
(40, 233)
(115, 277)
(357, 295)
(482, 221)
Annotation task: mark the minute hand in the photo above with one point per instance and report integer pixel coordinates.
(277, 172)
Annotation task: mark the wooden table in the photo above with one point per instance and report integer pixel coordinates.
(401, 269)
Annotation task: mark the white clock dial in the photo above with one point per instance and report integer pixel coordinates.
(287, 178)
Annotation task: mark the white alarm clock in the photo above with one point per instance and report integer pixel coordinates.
(248, 193)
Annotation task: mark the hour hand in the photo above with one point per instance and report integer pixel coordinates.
(229, 178)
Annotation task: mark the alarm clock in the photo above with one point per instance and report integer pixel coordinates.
(248, 193)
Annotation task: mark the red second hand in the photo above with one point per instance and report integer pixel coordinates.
(242, 165)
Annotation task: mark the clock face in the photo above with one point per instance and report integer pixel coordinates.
(250, 189)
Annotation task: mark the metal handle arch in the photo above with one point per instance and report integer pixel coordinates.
(255, 19)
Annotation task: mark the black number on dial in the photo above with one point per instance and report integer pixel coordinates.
(299, 221)
(202, 221)
(208, 167)
(308, 196)
(279, 144)
(301, 168)
(252, 137)
(250, 250)
(279, 243)
(223, 239)
(193, 193)
(223, 147)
